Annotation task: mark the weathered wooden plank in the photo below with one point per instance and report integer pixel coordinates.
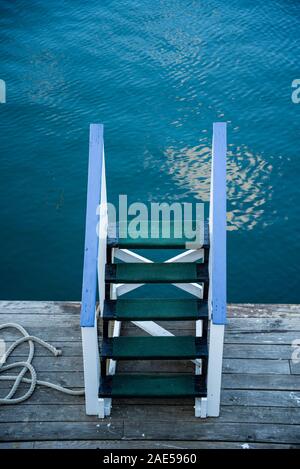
(37, 320)
(63, 307)
(257, 351)
(69, 349)
(247, 337)
(70, 333)
(230, 365)
(40, 307)
(67, 325)
(253, 398)
(262, 324)
(45, 413)
(58, 333)
(99, 429)
(206, 430)
(60, 363)
(140, 412)
(229, 397)
(74, 349)
(47, 396)
(235, 325)
(62, 339)
(17, 445)
(43, 395)
(257, 381)
(260, 398)
(139, 444)
(153, 430)
(73, 379)
(263, 415)
(229, 381)
(231, 350)
(263, 310)
(241, 365)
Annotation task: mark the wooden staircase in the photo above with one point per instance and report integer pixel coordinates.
(113, 268)
(152, 309)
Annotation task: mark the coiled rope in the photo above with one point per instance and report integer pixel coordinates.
(26, 366)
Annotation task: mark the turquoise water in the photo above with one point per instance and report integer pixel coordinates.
(157, 74)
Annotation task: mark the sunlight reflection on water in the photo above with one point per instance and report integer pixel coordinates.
(248, 176)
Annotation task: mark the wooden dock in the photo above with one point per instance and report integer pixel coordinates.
(260, 397)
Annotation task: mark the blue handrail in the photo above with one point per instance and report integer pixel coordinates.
(89, 283)
(217, 222)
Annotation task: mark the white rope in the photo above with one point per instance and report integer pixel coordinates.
(26, 366)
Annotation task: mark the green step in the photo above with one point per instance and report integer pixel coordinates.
(155, 235)
(152, 386)
(154, 348)
(155, 309)
(170, 272)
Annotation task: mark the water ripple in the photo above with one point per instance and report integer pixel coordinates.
(249, 179)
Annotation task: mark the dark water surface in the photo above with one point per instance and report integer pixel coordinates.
(157, 74)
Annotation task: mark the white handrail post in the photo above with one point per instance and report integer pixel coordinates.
(217, 268)
(104, 404)
(91, 367)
